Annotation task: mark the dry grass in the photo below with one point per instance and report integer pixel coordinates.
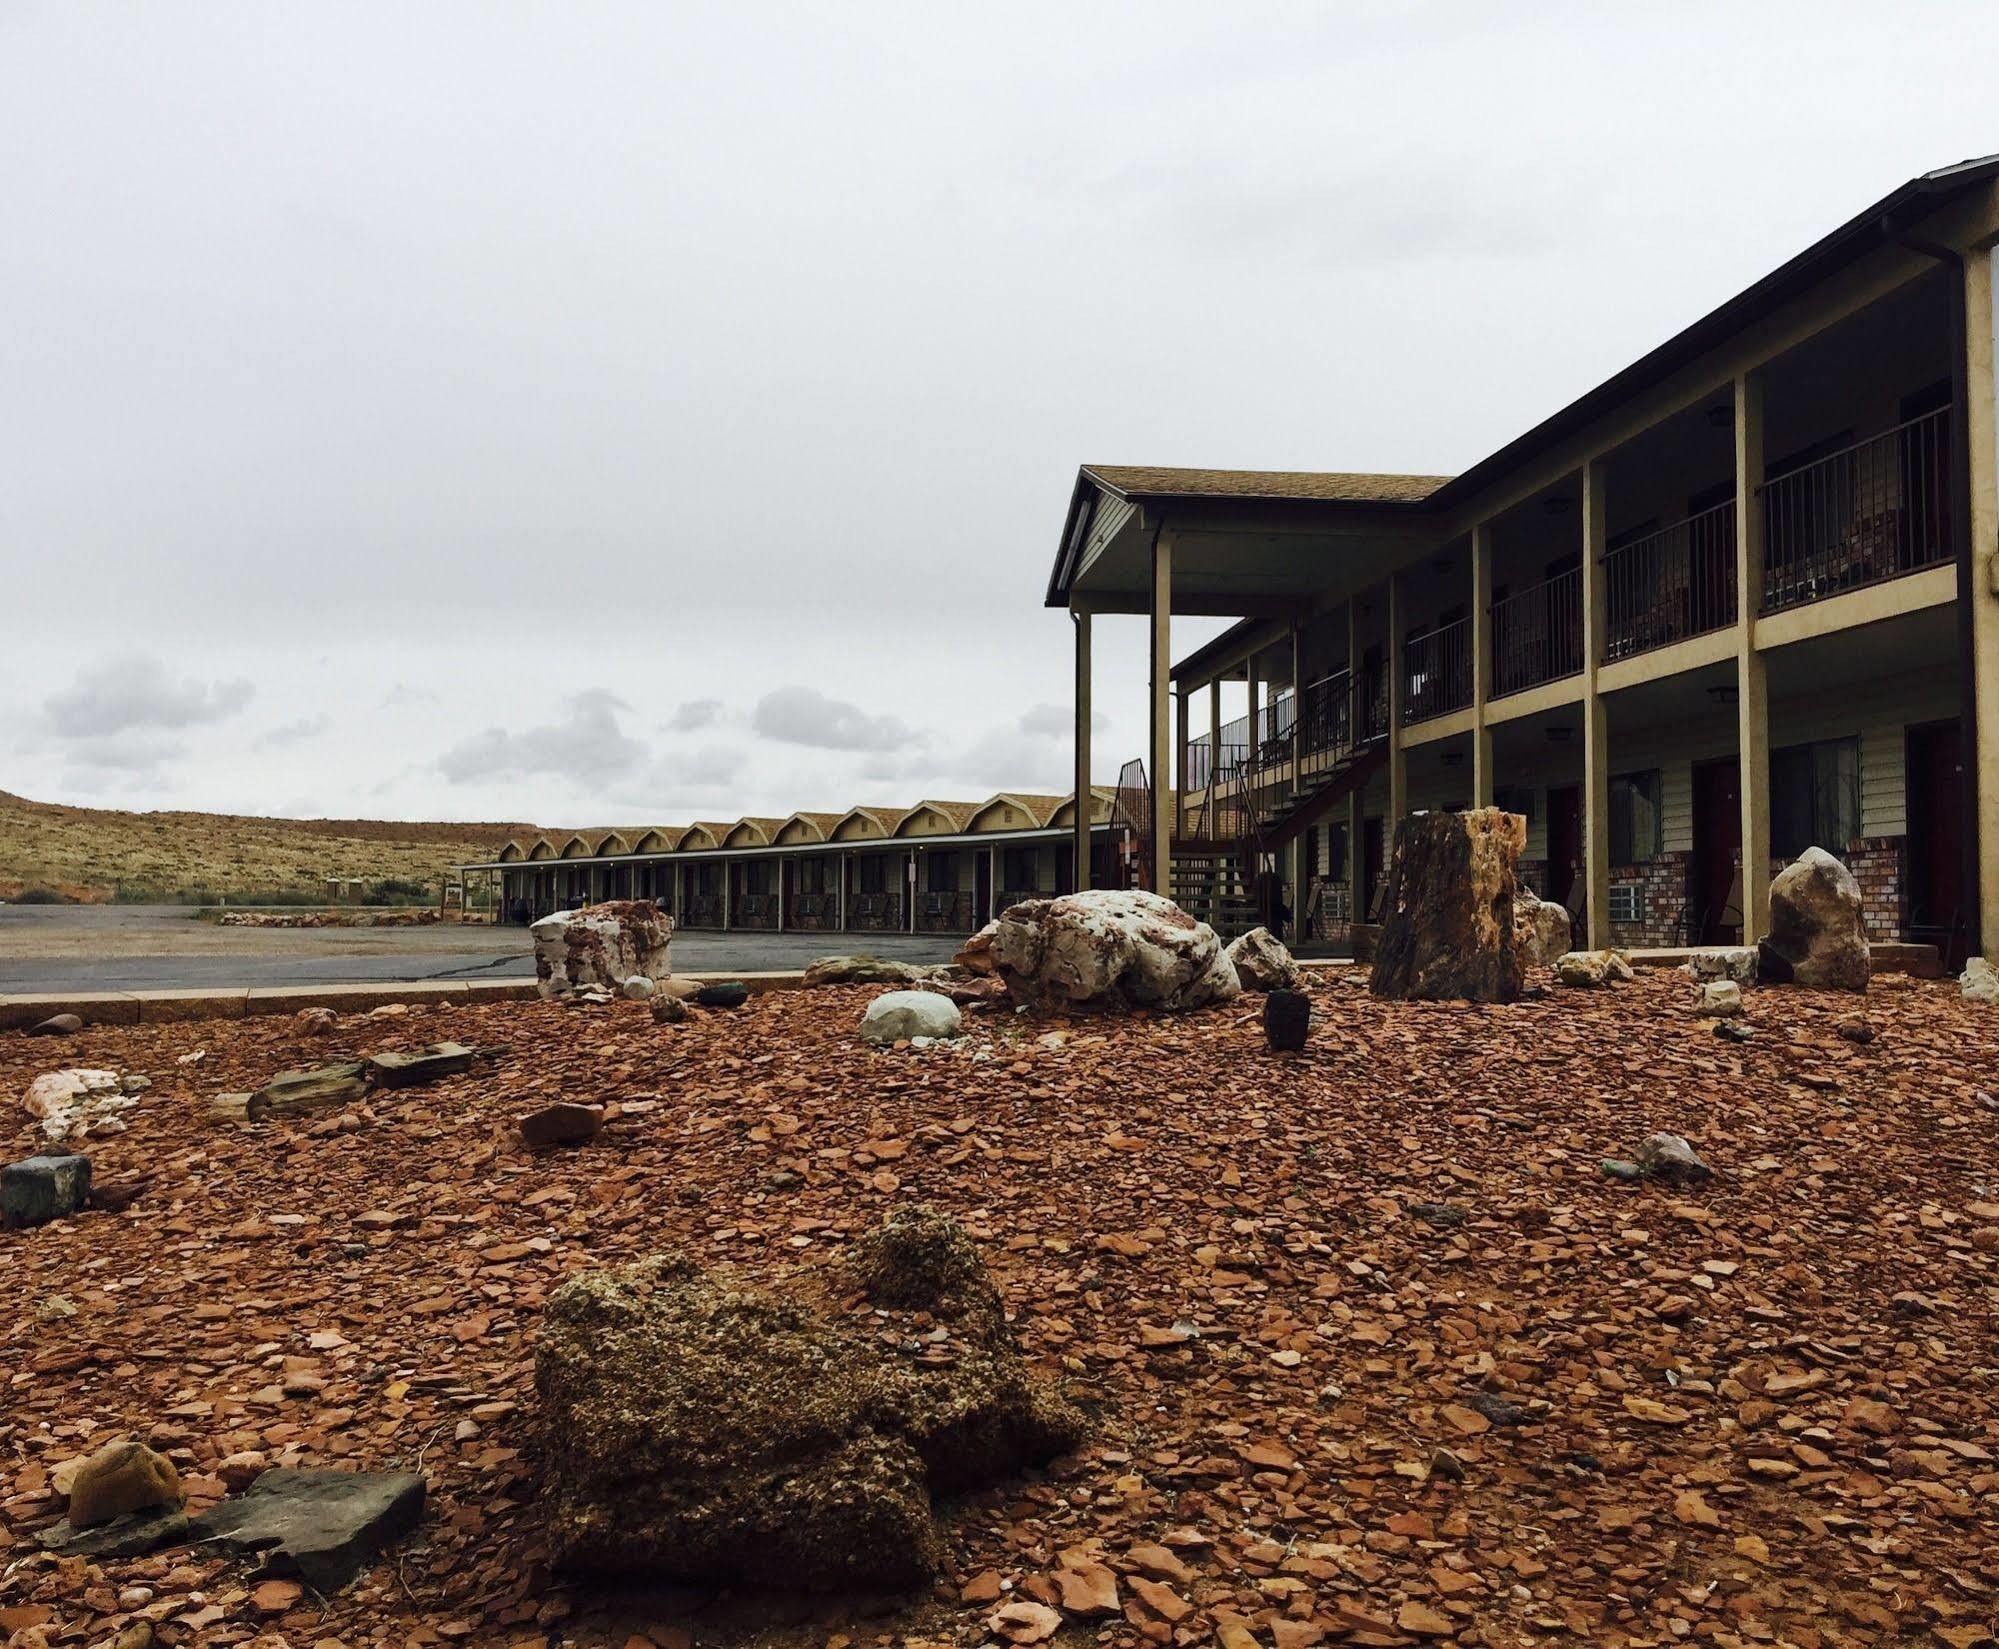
(92, 853)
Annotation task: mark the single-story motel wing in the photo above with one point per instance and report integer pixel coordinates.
(1741, 598)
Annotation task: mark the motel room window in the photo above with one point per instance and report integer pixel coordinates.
(871, 869)
(1634, 817)
(811, 875)
(707, 880)
(1814, 797)
(756, 878)
(942, 875)
(1020, 870)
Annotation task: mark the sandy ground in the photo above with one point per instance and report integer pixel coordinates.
(162, 947)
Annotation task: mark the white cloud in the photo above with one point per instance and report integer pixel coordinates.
(136, 691)
(588, 746)
(295, 732)
(803, 715)
(694, 715)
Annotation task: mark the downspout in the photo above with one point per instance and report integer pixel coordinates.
(1961, 519)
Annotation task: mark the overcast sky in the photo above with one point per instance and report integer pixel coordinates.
(615, 413)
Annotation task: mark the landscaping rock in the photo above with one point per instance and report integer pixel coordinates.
(1718, 999)
(121, 1477)
(898, 1016)
(321, 1088)
(1734, 1030)
(729, 993)
(317, 1021)
(862, 969)
(637, 988)
(1665, 1157)
(1587, 969)
(133, 1535)
(601, 945)
(1540, 929)
(1287, 1020)
(563, 1123)
(1736, 962)
(57, 1024)
(1817, 936)
(1447, 932)
(669, 1010)
(74, 1102)
(321, 1527)
(1262, 963)
(1979, 982)
(40, 1189)
(1855, 1028)
(1108, 948)
(427, 1064)
(711, 1426)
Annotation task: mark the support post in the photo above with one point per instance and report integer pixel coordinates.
(1481, 663)
(1978, 590)
(1295, 869)
(1596, 723)
(1357, 797)
(1179, 760)
(1162, 713)
(1081, 621)
(1398, 758)
(728, 893)
(1752, 690)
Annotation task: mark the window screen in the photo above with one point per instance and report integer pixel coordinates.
(1814, 797)
(1634, 817)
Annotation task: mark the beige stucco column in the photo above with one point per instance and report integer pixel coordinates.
(1179, 759)
(1596, 721)
(1752, 691)
(1161, 753)
(1295, 869)
(1981, 422)
(1081, 621)
(1398, 758)
(1481, 663)
(728, 892)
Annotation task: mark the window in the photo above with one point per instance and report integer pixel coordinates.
(942, 876)
(1514, 798)
(871, 872)
(708, 880)
(811, 876)
(756, 878)
(1020, 870)
(1814, 797)
(1634, 817)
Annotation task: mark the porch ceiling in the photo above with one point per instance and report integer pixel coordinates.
(1246, 560)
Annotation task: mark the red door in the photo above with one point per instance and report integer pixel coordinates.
(1934, 903)
(1716, 891)
(1565, 849)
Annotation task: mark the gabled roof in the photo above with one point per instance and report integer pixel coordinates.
(1329, 487)
(956, 814)
(1040, 809)
(819, 824)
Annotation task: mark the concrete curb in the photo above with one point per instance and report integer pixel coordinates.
(17, 1013)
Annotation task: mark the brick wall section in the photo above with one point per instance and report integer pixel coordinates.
(1663, 901)
(1880, 865)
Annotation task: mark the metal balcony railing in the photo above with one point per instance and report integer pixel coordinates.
(1436, 671)
(1671, 584)
(1537, 635)
(1871, 511)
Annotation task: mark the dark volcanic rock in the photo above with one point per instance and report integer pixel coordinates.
(322, 1527)
(563, 1123)
(39, 1189)
(704, 1425)
(1287, 1019)
(730, 993)
(1447, 932)
(133, 1535)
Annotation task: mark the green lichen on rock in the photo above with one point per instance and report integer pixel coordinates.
(705, 1425)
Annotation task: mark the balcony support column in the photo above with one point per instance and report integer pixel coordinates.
(1481, 663)
(1356, 797)
(728, 892)
(1161, 752)
(1978, 591)
(1081, 621)
(779, 865)
(1596, 723)
(1752, 690)
(1179, 760)
(1398, 758)
(1296, 869)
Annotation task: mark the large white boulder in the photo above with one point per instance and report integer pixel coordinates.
(1262, 963)
(601, 946)
(75, 1102)
(1540, 929)
(1110, 947)
(902, 1016)
(1978, 982)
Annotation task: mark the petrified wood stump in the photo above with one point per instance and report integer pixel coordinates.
(1447, 930)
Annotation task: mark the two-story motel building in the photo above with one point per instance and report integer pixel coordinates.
(1738, 599)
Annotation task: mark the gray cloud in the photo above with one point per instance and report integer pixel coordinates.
(294, 732)
(804, 715)
(136, 691)
(694, 715)
(403, 696)
(588, 745)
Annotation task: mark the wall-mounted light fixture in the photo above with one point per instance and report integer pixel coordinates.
(1723, 693)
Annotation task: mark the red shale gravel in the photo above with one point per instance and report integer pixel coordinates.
(1757, 1412)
